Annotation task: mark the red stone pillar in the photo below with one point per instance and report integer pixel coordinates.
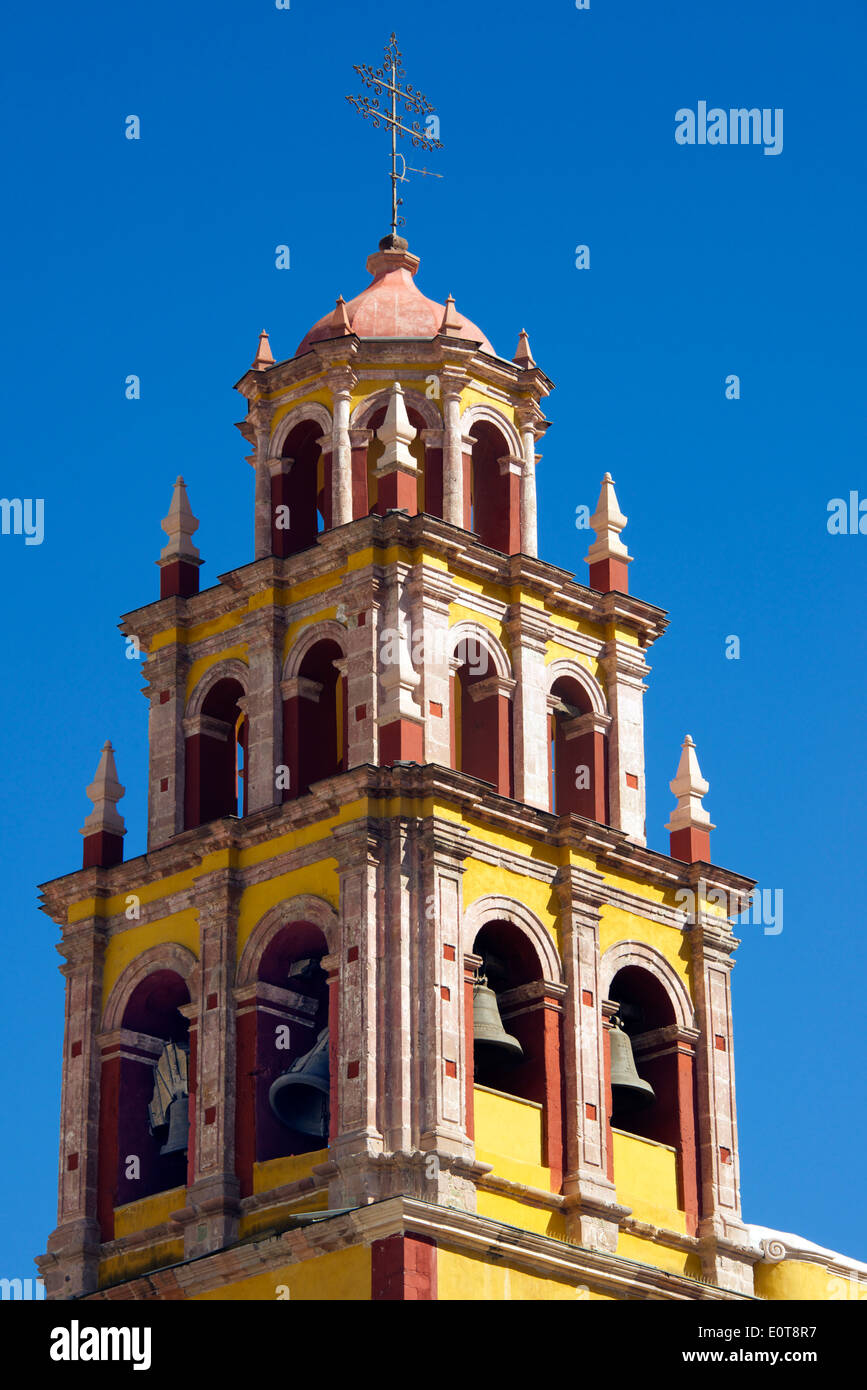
(433, 471)
(359, 440)
(511, 471)
(533, 1013)
(403, 1269)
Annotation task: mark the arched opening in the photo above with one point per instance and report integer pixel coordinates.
(578, 766)
(315, 729)
(492, 490)
(280, 1019)
(216, 757)
(145, 1085)
(429, 484)
(481, 717)
(663, 1059)
(300, 491)
(512, 1004)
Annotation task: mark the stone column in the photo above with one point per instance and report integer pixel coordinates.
(528, 637)
(359, 1061)
(263, 707)
(260, 416)
(430, 594)
(526, 421)
(593, 1214)
(451, 385)
(721, 1228)
(341, 381)
(211, 1217)
(166, 674)
(625, 669)
(280, 539)
(400, 720)
(70, 1267)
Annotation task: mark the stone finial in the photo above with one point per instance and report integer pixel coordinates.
(397, 472)
(608, 557)
(264, 356)
(179, 559)
(342, 326)
(451, 324)
(690, 824)
(523, 357)
(103, 830)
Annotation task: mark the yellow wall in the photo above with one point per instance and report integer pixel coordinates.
(340, 1275)
(795, 1279)
(148, 1211)
(645, 1175)
(470, 1277)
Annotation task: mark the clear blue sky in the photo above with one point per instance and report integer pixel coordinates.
(156, 258)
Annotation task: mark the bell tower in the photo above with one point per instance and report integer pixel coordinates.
(398, 1003)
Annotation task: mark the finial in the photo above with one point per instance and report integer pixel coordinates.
(451, 324)
(179, 559)
(396, 472)
(690, 825)
(264, 356)
(340, 319)
(385, 82)
(608, 557)
(523, 356)
(103, 830)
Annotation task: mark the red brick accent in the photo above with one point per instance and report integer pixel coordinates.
(72, 1162)
(436, 709)
(210, 1114)
(451, 1068)
(362, 619)
(398, 490)
(179, 578)
(725, 1155)
(690, 845)
(76, 1049)
(606, 575)
(360, 713)
(587, 997)
(164, 784)
(719, 1042)
(211, 1001)
(352, 1070)
(449, 953)
(403, 1269)
(165, 696)
(102, 850)
(352, 953)
(445, 992)
(589, 1110)
(401, 741)
(631, 780)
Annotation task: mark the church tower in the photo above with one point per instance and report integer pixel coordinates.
(398, 1004)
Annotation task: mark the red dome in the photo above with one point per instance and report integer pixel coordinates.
(392, 306)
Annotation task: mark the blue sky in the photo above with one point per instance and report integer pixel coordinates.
(156, 257)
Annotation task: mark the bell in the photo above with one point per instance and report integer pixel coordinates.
(299, 1097)
(488, 1030)
(628, 1090)
(179, 1126)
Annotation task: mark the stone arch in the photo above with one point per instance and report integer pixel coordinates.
(415, 400)
(475, 413)
(170, 955)
(232, 668)
(467, 629)
(637, 953)
(495, 908)
(306, 907)
(307, 410)
(327, 629)
(577, 672)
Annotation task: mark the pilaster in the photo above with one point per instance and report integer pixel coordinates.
(625, 669)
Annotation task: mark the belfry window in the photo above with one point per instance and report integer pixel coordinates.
(216, 757)
(300, 491)
(481, 717)
(144, 1098)
(492, 490)
(578, 768)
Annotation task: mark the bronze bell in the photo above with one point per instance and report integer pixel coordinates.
(488, 1030)
(179, 1126)
(628, 1090)
(299, 1098)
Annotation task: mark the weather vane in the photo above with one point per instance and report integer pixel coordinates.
(386, 79)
